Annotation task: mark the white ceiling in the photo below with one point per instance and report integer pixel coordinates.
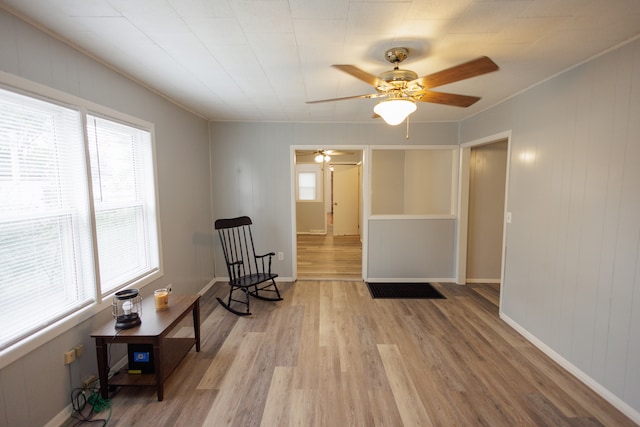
(261, 60)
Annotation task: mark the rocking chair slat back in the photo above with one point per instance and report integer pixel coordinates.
(235, 246)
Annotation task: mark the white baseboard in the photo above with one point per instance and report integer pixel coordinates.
(482, 280)
(207, 287)
(62, 417)
(605, 393)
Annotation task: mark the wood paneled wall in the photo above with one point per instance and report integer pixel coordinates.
(572, 276)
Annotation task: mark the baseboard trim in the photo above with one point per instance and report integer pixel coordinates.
(605, 393)
(207, 287)
(482, 280)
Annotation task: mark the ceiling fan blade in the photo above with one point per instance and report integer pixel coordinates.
(476, 67)
(445, 98)
(361, 75)
(371, 95)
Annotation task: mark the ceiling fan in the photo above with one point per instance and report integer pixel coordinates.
(402, 88)
(323, 155)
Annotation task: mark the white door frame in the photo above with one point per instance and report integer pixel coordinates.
(463, 205)
(364, 230)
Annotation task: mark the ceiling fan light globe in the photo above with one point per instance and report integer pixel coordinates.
(318, 158)
(395, 111)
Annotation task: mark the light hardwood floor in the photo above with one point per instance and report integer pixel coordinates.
(328, 256)
(330, 355)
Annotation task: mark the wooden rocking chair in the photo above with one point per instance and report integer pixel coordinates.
(248, 273)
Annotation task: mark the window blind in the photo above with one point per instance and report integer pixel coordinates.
(124, 201)
(46, 261)
(52, 200)
(306, 186)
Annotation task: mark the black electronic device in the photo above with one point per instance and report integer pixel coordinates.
(141, 359)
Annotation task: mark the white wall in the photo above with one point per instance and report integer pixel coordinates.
(411, 249)
(572, 278)
(429, 181)
(36, 387)
(387, 182)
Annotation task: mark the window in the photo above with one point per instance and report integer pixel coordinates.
(47, 237)
(308, 183)
(306, 186)
(124, 202)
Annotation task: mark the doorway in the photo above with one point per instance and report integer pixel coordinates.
(487, 180)
(331, 249)
(484, 177)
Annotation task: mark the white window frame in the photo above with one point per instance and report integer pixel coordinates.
(310, 168)
(138, 262)
(101, 302)
(304, 189)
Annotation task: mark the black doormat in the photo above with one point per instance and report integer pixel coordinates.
(404, 290)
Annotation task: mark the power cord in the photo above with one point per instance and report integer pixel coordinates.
(80, 401)
(88, 396)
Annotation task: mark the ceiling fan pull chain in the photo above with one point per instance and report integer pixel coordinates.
(407, 134)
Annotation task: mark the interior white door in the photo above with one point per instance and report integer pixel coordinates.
(345, 200)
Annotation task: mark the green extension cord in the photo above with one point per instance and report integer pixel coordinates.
(98, 403)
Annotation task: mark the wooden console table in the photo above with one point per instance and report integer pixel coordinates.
(155, 326)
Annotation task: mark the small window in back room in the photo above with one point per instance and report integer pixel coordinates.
(308, 183)
(306, 186)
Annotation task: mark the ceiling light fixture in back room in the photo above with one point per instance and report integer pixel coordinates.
(322, 156)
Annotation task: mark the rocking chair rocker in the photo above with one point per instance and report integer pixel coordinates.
(248, 273)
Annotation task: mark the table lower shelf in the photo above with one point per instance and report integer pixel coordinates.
(174, 350)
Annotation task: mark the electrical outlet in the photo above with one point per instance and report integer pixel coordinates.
(79, 350)
(89, 382)
(69, 356)
(280, 256)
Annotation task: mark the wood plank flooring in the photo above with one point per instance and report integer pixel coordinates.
(330, 355)
(328, 256)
